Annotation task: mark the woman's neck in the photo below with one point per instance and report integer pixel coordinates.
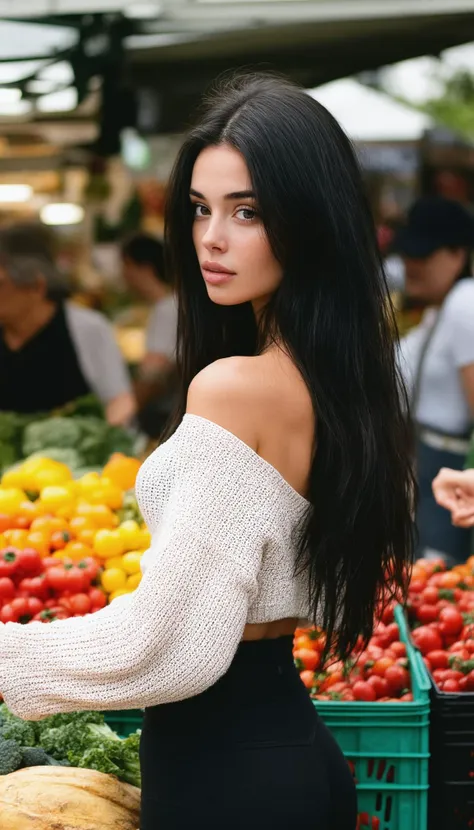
(18, 332)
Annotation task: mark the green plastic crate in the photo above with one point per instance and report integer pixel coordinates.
(125, 722)
(387, 745)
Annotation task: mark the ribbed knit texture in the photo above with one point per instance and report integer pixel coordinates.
(225, 527)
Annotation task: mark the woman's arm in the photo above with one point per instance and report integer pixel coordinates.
(178, 632)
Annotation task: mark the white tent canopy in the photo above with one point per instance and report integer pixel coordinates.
(368, 115)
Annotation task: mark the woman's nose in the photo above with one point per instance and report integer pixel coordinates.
(214, 238)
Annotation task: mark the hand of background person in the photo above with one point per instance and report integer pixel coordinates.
(121, 410)
(454, 490)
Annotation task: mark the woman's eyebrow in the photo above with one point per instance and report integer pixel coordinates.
(239, 194)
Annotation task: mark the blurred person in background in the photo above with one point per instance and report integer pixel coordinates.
(51, 350)
(437, 357)
(144, 273)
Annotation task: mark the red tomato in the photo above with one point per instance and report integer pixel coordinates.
(399, 649)
(438, 659)
(430, 595)
(427, 639)
(379, 684)
(460, 654)
(97, 598)
(8, 562)
(450, 621)
(305, 658)
(308, 678)
(470, 645)
(29, 562)
(91, 569)
(417, 586)
(363, 691)
(397, 679)
(8, 614)
(7, 588)
(427, 613)
(468, 631)
(80, 604)
(450, 686)
(35, 586)
(34, 606)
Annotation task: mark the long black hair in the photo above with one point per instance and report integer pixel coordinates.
(332, 312)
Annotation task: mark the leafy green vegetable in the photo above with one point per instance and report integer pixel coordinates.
(19, 731)
(54, 432)
(10, 757)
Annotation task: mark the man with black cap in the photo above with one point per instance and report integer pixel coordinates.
(437, 357)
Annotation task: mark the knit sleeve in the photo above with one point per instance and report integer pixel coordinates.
(176, 635)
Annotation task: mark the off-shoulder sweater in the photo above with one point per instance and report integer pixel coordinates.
(225, 528)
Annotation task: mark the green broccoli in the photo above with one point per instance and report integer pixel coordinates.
(10, 757)
(17, 730)
(52, 432)
(34, 756)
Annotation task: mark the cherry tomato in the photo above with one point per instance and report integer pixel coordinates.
(8, 561)
(427, 639)
(97, 598)
(362, 690)
(397, 679)
(430, 595)
(379, 684)
(34, 606)
(399, 649)
(8, 614)
(451, 621)
(29, 562)
(80, 604)
(306, 658)
(7, 588)
(438, 659)
(450, 686)
(468, 631)
(427, 613)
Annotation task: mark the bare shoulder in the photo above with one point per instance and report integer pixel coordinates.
(253, 397)
(227, 393)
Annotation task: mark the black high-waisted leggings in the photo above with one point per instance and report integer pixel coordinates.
(250, 753)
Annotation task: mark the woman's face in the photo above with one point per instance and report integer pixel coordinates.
(237, 262)
(431, 278)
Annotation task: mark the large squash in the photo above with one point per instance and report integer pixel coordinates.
(66, 798)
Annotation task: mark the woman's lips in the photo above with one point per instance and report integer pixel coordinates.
(215, 274)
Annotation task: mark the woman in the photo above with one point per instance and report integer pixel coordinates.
(144, 273)
(52, 351)
(283, 493)
(437, 357)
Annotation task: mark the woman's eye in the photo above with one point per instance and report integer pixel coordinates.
(247, 214)
(200, 210)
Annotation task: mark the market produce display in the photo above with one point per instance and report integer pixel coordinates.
(441, 614)
(43, 798)
(380, 672)
(66, 545)
(81, 739)
(78, 435)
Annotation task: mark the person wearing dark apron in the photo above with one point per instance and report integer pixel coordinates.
(437, 358)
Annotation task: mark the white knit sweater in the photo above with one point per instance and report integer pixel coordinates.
(225, 528)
